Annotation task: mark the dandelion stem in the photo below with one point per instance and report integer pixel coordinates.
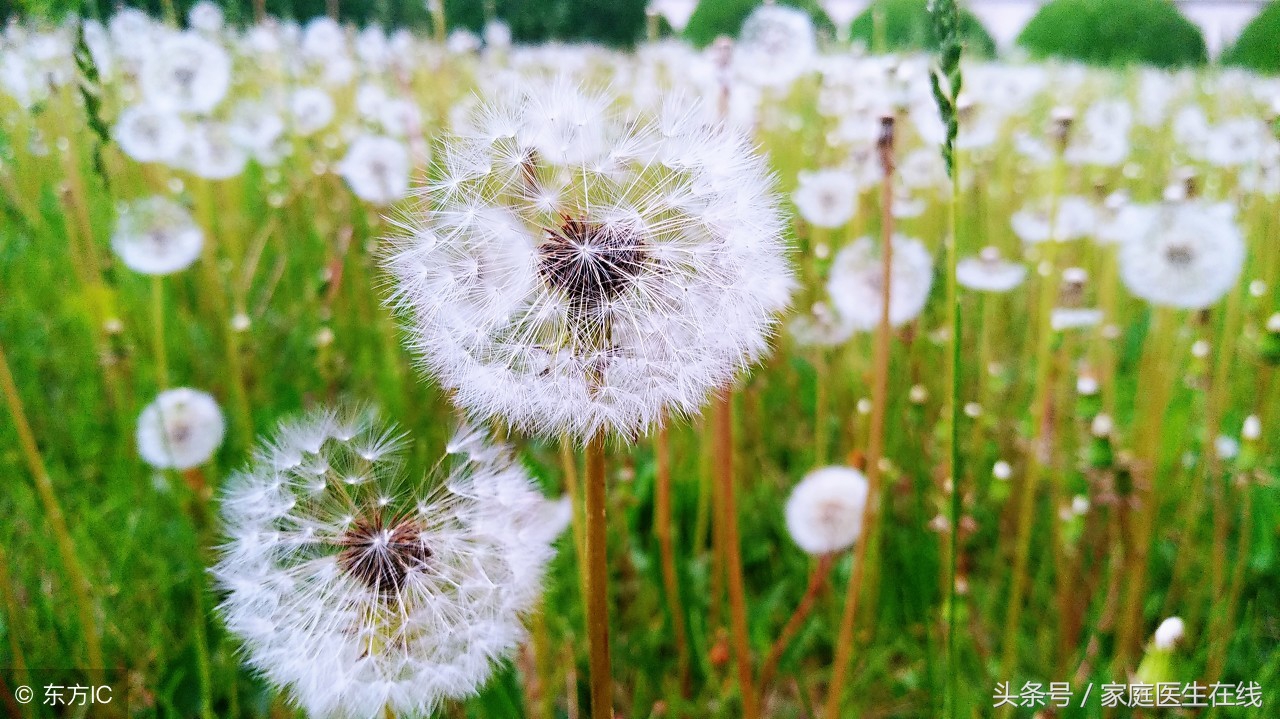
(157, 329)
(80, 586)
(1153, 401)
(735, 583)
(666, 550)
(597, 581)
(875, 443)
(817, 580)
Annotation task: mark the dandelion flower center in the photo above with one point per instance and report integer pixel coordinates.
(590, 262)
(1179, 255)
(381, 553)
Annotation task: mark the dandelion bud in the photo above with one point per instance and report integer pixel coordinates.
(918, 394)
(824, 511)
(1080, 505)
(324, 337)
(1252, 430)
(1169, 633)
(1270, 340)
(1001, 470)
(1102, 426)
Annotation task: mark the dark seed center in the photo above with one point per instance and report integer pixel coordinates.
(381, 553)
(1179, 255)
(590, 262)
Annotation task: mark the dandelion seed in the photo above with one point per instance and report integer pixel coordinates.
(186, 73)
(1001, 470)
(775, 46)
(384, 594)
(181, 429)
(148, 134)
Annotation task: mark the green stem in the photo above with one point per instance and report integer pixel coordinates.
(1025, 512)
(57, 523)
(953, 442)
(157, 328)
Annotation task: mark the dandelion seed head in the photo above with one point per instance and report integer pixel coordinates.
(988, 272)
(577, 269)
(180, 429)
(156, 236)
(856, 282)
(824, 510)
(383, 593)
(1189, 257)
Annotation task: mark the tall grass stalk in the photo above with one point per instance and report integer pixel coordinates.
(80, 587)
(946, 81)
(875, 443)
(1040, 410)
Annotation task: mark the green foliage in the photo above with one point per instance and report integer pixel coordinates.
(897, 25)
(612, 22)
(1258, 47)
(1115, 32)
(714, 18)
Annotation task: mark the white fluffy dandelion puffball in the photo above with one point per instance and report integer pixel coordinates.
(363, 593)
(856, 282)
(1189, 257)
(824, 511)
(156, 236)
(580, 270)
(181, 429)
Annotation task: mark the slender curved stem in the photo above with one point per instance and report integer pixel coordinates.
(80, 587)
(597, 561)
(817, 580)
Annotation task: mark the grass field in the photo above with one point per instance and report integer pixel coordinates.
(1077, 535)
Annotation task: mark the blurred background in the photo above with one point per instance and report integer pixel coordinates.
(1164, 33)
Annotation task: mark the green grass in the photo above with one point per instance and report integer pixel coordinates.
(145, 538)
